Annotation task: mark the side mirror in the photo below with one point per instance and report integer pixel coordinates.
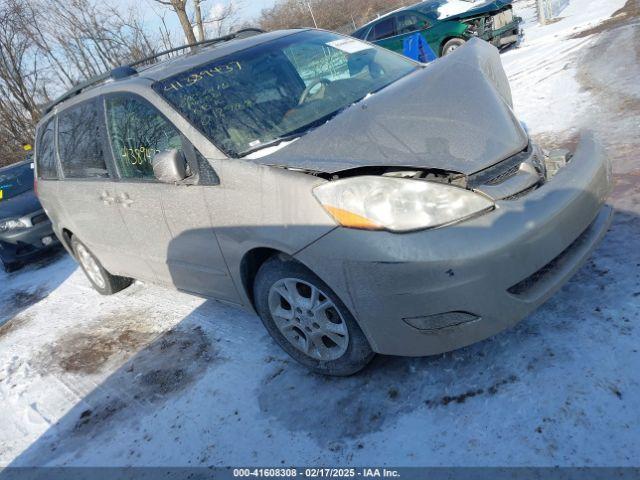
(170, 166)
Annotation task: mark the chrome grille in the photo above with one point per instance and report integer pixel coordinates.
(500, 171)
(512, 178)
(503, 175)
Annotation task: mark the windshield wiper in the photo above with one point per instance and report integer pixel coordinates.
(298, 132)
(271, 143)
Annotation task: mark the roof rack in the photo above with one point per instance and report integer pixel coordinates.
(129, 69)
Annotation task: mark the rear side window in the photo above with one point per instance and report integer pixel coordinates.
(80, 142)
(384, 29)
(359, 34)
(137, 132)
(410, 22)
(46, 153)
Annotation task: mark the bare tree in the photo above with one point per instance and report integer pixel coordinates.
(80, 39)
(223, 17)
(199, 22)
(19, 85)
(180, 8)
(165, 34)
(46, 46)
(220, 17)
(340, 15)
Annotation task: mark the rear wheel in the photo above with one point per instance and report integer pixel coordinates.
(101, 280)
(450, 45)
(308, 320)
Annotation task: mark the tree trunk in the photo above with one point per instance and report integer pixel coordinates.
(180, 7)
(199, 23)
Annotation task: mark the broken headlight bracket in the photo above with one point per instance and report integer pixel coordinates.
(554, 160)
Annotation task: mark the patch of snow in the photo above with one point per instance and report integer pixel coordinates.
(542, 71)
(154, 377)
(557, 6)
(577, 16)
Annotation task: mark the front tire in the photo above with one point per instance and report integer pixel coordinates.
(101, 280)
(308, 320)
(452, 44)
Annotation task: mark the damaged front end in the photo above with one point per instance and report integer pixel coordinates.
(376, 198)
(417, 156)
(499, 27)
(399, 204)
(454, 115)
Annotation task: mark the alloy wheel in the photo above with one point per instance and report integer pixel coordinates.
(90, 265)
(308, 319)
(450, 49)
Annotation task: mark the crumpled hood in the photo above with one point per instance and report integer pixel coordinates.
(487, 7)
(454, 114)
(20, 205)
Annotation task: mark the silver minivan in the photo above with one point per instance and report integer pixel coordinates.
(358, 201)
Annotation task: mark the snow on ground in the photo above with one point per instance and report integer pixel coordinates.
(154, 377)
(542, 72)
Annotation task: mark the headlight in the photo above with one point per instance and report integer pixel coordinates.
(398, 204)
(15, 224)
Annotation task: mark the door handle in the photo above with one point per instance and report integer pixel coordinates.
(106, 198)
(124, 200)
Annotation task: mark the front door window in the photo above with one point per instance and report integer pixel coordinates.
(137, 132)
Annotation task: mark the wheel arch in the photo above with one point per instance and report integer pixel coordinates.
(65, 237)
(251, 262)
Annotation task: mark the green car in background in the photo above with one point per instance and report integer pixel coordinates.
(492, 21)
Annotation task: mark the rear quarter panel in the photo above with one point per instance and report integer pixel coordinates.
(50, 200)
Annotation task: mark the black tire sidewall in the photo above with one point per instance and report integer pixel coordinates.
(358, 353)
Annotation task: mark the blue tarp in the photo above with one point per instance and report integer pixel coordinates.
(417, 48)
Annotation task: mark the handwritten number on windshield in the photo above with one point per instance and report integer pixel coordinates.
(196, 77)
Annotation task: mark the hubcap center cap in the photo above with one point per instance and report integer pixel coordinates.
(304, 316)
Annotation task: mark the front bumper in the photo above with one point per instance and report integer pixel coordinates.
(498, 267)
(506, 35)
(24, 244)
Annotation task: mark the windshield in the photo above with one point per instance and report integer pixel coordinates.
(15, 180)
(280, 89)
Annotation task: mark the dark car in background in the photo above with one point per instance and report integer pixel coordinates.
(492, 21)
(25, 229)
